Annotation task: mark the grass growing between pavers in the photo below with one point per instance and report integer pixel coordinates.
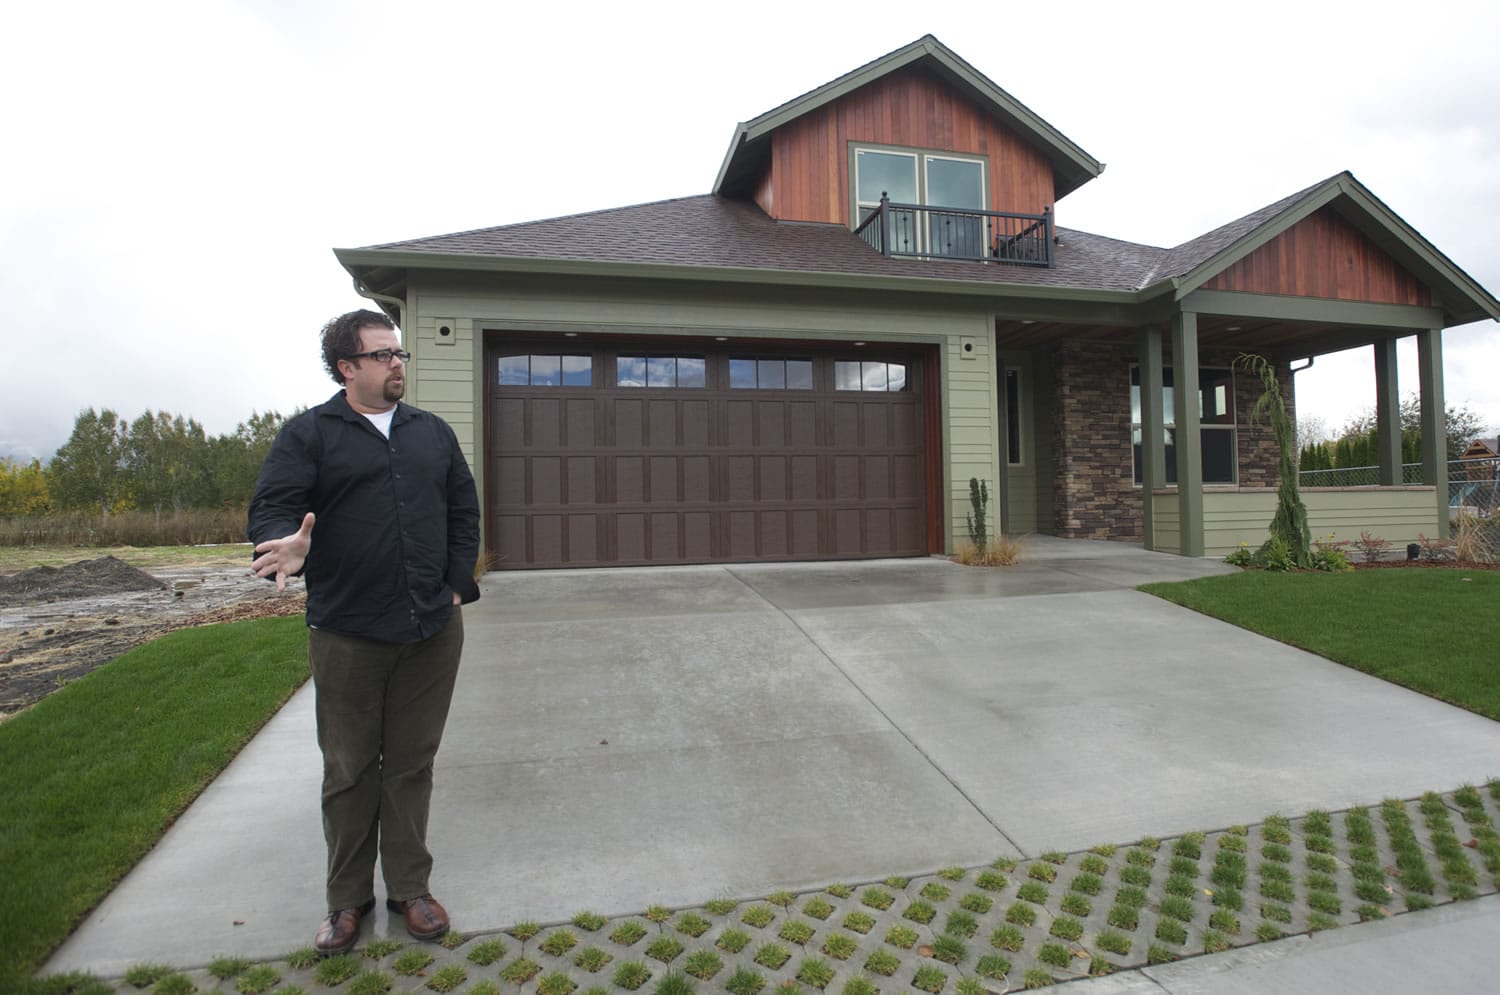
(1336, 868)
(92, 775)
(1414, 628)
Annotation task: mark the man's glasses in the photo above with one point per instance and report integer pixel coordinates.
(383, 355)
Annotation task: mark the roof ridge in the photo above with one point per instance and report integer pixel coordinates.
(540, 221)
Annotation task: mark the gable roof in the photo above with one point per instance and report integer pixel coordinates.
(1193, 263)
(750, 148)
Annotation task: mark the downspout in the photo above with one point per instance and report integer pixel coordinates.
(368, 294)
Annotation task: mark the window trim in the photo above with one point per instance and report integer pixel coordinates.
(921, 156)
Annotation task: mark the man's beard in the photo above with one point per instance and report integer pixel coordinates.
(394, 392)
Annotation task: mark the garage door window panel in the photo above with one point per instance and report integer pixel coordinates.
(770, 373)
(661, 372)
(545, 370)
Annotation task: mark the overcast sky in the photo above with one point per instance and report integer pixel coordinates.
(176, 174)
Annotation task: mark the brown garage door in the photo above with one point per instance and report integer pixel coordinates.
(621, 456)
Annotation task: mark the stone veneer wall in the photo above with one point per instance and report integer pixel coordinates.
(1094, 487)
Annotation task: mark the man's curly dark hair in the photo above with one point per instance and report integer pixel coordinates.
(341, 337)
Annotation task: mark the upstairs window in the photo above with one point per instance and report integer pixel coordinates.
(931, 180)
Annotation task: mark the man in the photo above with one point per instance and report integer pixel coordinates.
(373, 500)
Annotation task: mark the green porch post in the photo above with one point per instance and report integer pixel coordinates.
(1188, 421)
(1434, 420)
(1153, 450)
(1387, 414)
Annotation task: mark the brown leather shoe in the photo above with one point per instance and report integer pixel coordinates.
(425, 918)
(339, 931)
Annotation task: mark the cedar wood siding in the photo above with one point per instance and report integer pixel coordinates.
(1323, 256)
(809, 174)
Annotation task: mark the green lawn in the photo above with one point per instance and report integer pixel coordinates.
(1429, 630)
(91, 776)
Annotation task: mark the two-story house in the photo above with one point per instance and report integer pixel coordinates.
(876, 303)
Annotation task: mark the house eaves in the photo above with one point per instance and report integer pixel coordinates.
(750, 149)
(1189, 266)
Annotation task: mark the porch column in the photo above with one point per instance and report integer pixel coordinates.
(1434, 420)
(1153, 450)
(1387, 415)
(1189, 434)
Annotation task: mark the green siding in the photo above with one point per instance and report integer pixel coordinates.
(1235, 516)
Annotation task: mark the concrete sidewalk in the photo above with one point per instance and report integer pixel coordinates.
(627, 737)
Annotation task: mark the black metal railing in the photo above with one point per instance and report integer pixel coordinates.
(914, 230)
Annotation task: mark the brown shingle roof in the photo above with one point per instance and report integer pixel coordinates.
(709, 231)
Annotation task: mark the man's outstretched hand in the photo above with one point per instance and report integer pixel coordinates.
(285, 556)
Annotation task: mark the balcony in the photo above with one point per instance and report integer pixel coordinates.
(922, 232)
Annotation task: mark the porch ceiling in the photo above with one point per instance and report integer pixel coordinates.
(1273, 337)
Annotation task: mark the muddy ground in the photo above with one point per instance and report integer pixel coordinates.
(59, 623)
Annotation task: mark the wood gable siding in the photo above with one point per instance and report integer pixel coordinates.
(809, 174)
(1323, 256)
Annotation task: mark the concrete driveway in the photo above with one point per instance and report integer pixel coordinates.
(635, 736)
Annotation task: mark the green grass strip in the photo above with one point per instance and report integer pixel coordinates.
(92, 775)
(1415, 627)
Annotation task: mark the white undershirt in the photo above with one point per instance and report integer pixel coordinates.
(382, 421)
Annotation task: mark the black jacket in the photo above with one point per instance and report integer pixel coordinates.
(397, 528)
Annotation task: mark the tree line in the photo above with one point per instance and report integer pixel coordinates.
(1357, 445)
(161, 463)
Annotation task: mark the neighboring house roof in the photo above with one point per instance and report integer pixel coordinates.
(750, 148)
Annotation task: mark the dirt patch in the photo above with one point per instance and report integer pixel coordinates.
(59, 623)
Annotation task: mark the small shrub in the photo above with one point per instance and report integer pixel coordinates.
(1113, 942)
(877, 898)
(1134, 897)
(796, 931)
(744, 981)
(592, 959)
(1277, 913)
(840, 946)
(487, 952)
(929, 979)
(301, 960)
(897, 882)
(816, 972)
(1214, 941)
(336, 970)
(664, 949)
(1177, 907)
(1036, 978)
(556, 983)
(1124, 917)
(758, 916)
(559, 942)
(772, 955)
(1055, 954)
(1021, 914)
(1008, 937)
(520, 971)
(949, 949)
(818, 908)
(901, 936)
(657, 914)
(225, 968)
(1224, 921)
(839, 890)
(733, 940)
(1277, 853)
(1190, 846)
(1042, 871)
(1094, 864)
(675, 983)
(262, 978)
(961, 923)
(703, 964)
(952, 873)
(146, 975)
(883, 963)
(1318, 921)
(1034, 892)
(1171, 931)
(975, 902)
(589, 922)
(1180, 884)
(936, 891)
(920, 912)
(1066, 928)
(1266, 932)
(1371, 546)
(782, 898)
(859, 922)
(525, 929)
(860, 985)
(1325, 901)
(692, 924)
(991, 881)
(1075, 904)
(1157, 954)
(370, 983)
(628, 933)
(1229, 898)
(720, 906)
(992, 966)
(169, 984)
(1087, 883)
(631, 975)
(1138, 876)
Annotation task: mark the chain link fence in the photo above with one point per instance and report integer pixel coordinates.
(1473, 484)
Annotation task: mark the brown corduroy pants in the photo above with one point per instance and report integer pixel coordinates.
(381, 709)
